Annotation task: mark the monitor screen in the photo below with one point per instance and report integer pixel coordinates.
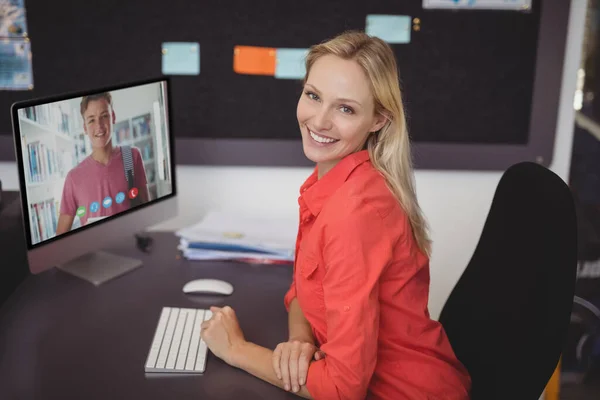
(93, 157)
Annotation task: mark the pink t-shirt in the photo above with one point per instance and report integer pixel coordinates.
(101, 189)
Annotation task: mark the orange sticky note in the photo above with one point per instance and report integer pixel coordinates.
(253, 60)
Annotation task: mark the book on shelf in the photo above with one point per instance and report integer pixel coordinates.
(122, 131)
(50, 115)
(44, 218)
(45, 163)
(142, 125)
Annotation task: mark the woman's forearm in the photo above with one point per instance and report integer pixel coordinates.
(299, 327)
(258, 361)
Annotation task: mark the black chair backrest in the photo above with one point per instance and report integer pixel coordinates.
(508, 315)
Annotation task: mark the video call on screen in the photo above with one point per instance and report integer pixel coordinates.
(84, 161)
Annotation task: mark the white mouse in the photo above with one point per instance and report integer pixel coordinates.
(208, 286)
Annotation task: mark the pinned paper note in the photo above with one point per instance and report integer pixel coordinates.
(16, 71)
(180, 58)
(521, 5)
(253, 60)
(13, 23)
(290, 63)
(390, 28)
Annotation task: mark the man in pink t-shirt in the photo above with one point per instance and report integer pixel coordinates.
(98, 186)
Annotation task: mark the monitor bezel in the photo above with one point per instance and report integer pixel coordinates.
(69, 95)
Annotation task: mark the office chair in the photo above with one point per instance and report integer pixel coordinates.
(507, 317)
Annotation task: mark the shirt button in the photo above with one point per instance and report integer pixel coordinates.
(346, 308)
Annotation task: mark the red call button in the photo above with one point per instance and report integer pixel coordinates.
(133, 193)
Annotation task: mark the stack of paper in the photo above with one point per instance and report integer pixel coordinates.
(230, 236)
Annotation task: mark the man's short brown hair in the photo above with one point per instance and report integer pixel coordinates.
(86, 100)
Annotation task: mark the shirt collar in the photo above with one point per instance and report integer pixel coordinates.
(316, 191)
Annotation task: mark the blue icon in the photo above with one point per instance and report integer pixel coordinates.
(94, 207)
(107, 202)
(120, 197)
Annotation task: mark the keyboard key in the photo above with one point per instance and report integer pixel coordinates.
(202, 350)
(177, 346)
(191, 360)
(185, 340)
(201, 357)
(158, 337)
(176, 339)
(164, 350)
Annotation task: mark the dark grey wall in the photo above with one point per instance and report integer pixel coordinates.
(212, 149)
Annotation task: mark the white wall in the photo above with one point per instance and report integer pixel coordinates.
(452, 200)
(126, 103)
(130, 103)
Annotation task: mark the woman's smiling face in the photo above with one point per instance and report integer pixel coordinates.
(336, 111)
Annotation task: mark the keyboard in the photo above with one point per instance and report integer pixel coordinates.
(177, 346)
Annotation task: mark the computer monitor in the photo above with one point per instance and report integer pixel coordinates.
(95, 168)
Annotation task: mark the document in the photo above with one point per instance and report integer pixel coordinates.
(15, 50)
(521, 5)
(233, 235)
(15, 64)
(12, 19)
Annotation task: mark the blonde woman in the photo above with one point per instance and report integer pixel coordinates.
(359, 326)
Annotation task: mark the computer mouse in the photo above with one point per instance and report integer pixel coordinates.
(208, 286)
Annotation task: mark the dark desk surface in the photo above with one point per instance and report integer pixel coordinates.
(63, 338)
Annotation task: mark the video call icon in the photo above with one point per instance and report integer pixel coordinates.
(107, 202)
(94, 207)
(80, 211)
(133, 192)
(120, 197)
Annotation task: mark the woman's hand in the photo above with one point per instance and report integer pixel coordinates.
(222, 334)
(291, 360)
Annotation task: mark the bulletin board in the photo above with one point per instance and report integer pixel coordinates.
(481, 86)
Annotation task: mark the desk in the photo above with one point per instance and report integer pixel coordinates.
(63, 338)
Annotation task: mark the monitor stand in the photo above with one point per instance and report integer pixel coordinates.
(100, 267)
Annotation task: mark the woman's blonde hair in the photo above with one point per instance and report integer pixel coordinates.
(389, 149)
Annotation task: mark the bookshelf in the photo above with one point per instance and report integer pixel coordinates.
(49, 148)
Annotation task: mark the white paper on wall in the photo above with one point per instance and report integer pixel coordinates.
(517, 5)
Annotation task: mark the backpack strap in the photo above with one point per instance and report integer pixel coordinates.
(128, 165)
